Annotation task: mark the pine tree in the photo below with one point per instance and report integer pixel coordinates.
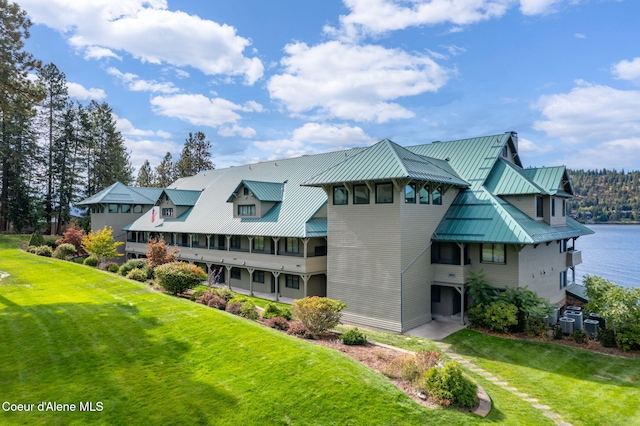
(195, 157)
(146, 176)
(166, 171)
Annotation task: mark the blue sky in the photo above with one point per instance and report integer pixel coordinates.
(273, 79)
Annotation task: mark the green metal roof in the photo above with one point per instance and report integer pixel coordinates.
(263, 191)
(508, 179)
(122, 194)
(387, 160)
(551, 179)
(181, 197)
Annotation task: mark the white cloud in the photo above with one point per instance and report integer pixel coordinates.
(353, 82)
(81, 93)
(149, 149)
(580, 35)
(127, 128)
(201, 110)
(537, 7)
(235, 130)
(147, 30)
(627, 70)
(335, 137)
(95, 52)
(616, 154)
(590, 113)
(136, 84)
(529, 147)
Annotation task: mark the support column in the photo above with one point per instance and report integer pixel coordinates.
(305, 241)
(190, 241)
(250, 244)
(276, 274)
(251, 271)
(305, 280)
(208, 241)
(275, 242)
(175, 239)
(228, 242)
(461, 289)
(228, 276)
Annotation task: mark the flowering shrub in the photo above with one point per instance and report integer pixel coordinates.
(449, 386)
(178, 277)
(278, 323)
(298, 329)
(318, 314)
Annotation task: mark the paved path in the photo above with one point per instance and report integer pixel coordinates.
(546, 411)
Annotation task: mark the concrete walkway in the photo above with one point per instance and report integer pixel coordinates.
(437, 329)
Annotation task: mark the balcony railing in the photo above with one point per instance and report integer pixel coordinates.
(574, 258)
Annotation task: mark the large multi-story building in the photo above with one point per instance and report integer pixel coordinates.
(391, 231)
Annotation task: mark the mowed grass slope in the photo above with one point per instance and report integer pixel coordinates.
(71, 333)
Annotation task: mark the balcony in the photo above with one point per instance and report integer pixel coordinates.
(453, 274)
(574, 258)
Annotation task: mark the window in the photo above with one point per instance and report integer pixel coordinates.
(563, 279)
(445, 253)
(410, 193)
(167, 212)
(236, 273)
(236, 242)
(222, 242)
(292, 245)
(258, 277)
(436, 196)
(195, 240)
(539, 207)
(137, 208)
(340, 196)
(113, 208)
(424, 196)
(505, 152)
(564, 207)
(293, 281)
(258, 243)
(493, 253)
(246, 210)
(553, 206)
(245, 191)
(435, 293)
(126, 208)
(563, 246)
(384, 193)
(185, 240)
(360, 194)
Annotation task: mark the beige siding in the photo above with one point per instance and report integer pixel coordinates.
(261, 207)
(317, 286)
(313, 243)
(558, 219)
(525, 203)
(540, 269)
(498, 275)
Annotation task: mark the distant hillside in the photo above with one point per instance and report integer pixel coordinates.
(605, 195)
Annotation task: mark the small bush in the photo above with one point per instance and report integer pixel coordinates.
(45, 251)
(579, 336)
(178, 277)
(217, 303)
(607, 337)
(534, 326)
(557, 332)
(298, 329)
(112, 267)
(449, 386)
(234, 308)
(199, 291)
(225, 293)
(239, 298)
(475, 315)
(500, 316)
(78, 259)
(138, 275)
(278, 323)
(74, 237)
(249, 311)
(36, 239)
(412, 367)
(628, 337)
(64, 251)
(131, 264)
(318, 314)
(151, 274)
(32, 249)
(272, 310)
(92, 261)
(354, 337)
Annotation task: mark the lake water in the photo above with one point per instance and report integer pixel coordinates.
(613, 252)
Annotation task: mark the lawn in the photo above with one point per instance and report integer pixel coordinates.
(71, 334)
(583, 387)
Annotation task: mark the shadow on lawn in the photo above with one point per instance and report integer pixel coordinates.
(101, 352)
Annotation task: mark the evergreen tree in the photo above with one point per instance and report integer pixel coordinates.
(166, 171)
(195, 157)
(146, 176)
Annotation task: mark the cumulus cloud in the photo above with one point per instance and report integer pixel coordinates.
(590, 112)
(81, 93)
(353, 82)
(615, 154)
(203, 111)
(149, 149)
(148, 31)
(95, 52)
(537, 7)
(136, 84)
(529, 147)
(127, 128)
(627, 70)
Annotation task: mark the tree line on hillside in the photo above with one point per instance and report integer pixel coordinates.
(605, 195)
(55, 152)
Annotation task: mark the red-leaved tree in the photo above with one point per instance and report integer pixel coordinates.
(158, 252)
(74, 237)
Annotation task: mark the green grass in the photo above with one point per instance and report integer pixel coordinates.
(71, 333)
(585, 388)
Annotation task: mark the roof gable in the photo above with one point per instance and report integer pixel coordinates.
(182, 197)
(507, 179)
(262, 191)
(554, 180)
(120, 193)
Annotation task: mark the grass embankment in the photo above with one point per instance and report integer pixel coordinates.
(73, 334)
(585, 388)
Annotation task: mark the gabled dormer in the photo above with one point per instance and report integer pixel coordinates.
(253, 199)
(175, 202)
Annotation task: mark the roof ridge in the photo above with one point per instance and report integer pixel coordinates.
(525, 177)
(503, 212)
(392, 145)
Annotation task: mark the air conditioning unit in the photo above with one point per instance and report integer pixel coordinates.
(577, 316)
(567, 325)
(591, 327)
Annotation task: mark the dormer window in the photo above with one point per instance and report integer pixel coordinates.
(505, 152)
(436, 196)
(410, 193)
(539, 207)
(246, 209)
(245, 191)
(340, 195)
(167, 212)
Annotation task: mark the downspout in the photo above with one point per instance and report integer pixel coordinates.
(402, 284)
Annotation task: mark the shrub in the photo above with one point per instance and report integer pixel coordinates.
(534, 326)
(318, 314)
(45, 251)
(92, 261)
(217, 303)
(151, 273)
(272, 310)
(628, 337)
(178, 277)
(131, 264)
(557, 332)
(249, 311)
(480, 291)
(111, 267)
(78, 259)
(51, 242)
(158, 254)
(101, 244)
(475, 315)
(527, 304)
(64, 251)
(449, 386)
(298, 329)
(234, 308)
(36, 239)
(32, 249)
(137, 274)
(225, 293)
(413, 366)
(579, 336)
(500, 316)
(74, 237)
(354, 337)
(199, 291)
(278, 323)
(240, 299)
(607, 337)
